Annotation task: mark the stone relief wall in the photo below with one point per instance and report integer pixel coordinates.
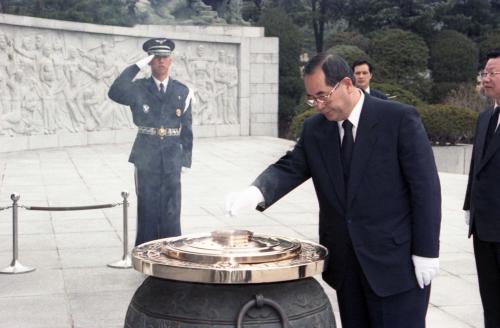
(57, 81)
(212, 73)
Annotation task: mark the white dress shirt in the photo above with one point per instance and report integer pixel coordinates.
(353, 118)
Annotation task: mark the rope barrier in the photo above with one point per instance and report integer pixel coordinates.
(17, 267)
(69, 208)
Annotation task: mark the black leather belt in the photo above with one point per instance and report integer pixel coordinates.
(160, 132)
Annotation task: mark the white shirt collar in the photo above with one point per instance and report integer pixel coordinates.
(353, 117)
(367, 90)
(495, 106)
(157, 82)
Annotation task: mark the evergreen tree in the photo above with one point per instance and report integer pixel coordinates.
(109, 12)
(279, 24)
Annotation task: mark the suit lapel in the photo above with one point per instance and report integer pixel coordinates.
(363, 146)
(481, 138)
(329, 144)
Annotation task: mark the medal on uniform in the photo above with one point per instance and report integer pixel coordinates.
(178, 112)
(145, 108)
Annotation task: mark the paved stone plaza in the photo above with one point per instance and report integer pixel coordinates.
(73, 287)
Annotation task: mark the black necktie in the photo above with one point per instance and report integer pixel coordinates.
(491, 128)
(162, 89)
(347, 147)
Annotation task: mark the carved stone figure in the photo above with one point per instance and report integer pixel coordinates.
(52, 91)
(231, 110)
(72, 92)
(200, 71)
(164, 12)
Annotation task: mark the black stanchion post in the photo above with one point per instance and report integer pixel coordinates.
(126, 261)
(15, 266)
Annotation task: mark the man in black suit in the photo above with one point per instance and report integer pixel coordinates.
(482, 199)
(161, 109)
(363, 74)
(379, 196)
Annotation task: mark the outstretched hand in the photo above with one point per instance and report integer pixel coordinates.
(245, 200)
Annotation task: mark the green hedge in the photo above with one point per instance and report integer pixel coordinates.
(347, 38)
(402, 54)
(397, 93)
(445, 124)
(350, 53)
(448, 125)
(488, 42)
(304, 111)
(453, 57)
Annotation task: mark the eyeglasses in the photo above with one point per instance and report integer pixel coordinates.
(488, 74)
(320, 100)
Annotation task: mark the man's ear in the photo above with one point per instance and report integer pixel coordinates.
(348, 83)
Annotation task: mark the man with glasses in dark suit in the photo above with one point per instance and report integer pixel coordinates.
(379, 197)
(482, 199)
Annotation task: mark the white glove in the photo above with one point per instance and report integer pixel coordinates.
(426, 269)
(467, 217)
(243, 200)
(144, 61)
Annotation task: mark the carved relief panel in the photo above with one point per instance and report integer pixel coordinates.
(56, 81)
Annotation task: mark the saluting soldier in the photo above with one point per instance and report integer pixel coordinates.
(161, 109)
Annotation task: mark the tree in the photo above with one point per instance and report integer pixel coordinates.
(453, 60)
(277, 23)
(349, 53)
(403, 54)
(488, 42)
(470, 17)
(453, 57)
(295, 9)
(402, 59)
(322, 13)
(110, 12)
(347, 38)
(372, 15)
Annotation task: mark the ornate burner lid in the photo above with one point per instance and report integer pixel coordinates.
(229, 257)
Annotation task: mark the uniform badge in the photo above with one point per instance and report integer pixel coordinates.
(178, 112)
(145, 108)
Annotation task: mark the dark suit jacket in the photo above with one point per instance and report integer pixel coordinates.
(150, 108)
(483, 189)
(377, 93)
(392, 207)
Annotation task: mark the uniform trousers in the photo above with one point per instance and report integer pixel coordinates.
(487, 256)
(360, 307)
(158, 205)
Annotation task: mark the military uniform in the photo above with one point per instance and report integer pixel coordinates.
(163, 146)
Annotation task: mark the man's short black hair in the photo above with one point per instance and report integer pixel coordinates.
(333, 66)
(493, 54)
(362, 62)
